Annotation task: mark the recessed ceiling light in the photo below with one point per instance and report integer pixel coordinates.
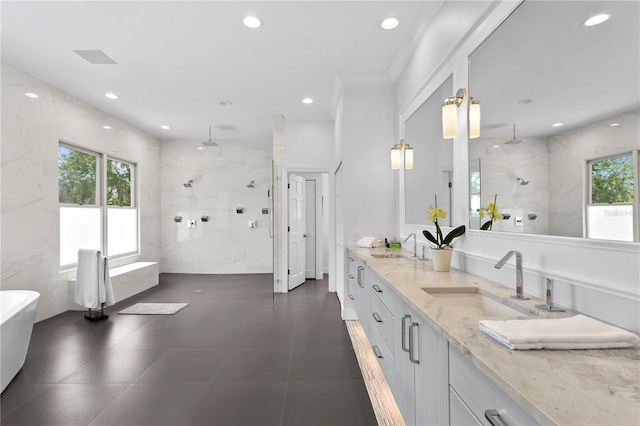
(307, 101)
(525, 101)
(614, 124)
(107, 127)
(31, 95)
(557, 124)
(165, 127)
(200, 147)
(252, 22)
(595, 20)
(497, 146)
(111, 95)
(389, 23)
(226, 103)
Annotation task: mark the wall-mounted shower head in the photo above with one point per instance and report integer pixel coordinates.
(252, 184)
(209, 142)
(189, 184)
(523, 182)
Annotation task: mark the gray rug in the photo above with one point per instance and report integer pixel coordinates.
(154, 309)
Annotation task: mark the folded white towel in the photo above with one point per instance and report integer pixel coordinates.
(577, 332)
(368, 242)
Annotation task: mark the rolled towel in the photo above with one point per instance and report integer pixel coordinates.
(577, 332)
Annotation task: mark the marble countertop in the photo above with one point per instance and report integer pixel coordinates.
(564, 387)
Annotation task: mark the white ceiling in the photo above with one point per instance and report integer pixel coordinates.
(177, 60)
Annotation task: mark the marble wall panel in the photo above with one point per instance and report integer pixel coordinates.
(224, 244)
(568, 154)
(500, 169)
(31, 130)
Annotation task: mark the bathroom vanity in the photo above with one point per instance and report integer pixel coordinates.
(443, 370)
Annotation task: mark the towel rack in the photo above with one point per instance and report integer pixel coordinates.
(96, 315)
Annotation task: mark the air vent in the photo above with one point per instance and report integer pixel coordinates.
(96, 57)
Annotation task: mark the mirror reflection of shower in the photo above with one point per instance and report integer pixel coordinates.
(189, 184)
(523, 182)
(252, 184)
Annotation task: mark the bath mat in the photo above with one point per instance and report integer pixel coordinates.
(154, 309)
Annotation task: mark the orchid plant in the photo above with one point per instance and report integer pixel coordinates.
(490, 210)
(439, 240)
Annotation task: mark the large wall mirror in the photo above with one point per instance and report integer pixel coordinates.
(559, 139)
(432, 171)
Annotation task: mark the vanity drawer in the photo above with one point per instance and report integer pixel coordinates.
(459, 413)
(480, 394)
(382, 320)
(381, 290)
(382, 353)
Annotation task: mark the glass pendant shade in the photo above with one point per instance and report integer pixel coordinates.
(474, 120)
(408, 158)
(395, 158)
(449, 120)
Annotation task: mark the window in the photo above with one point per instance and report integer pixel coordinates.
(97, 204)
(611, 195)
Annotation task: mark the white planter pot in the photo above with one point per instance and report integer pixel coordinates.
(441, 259)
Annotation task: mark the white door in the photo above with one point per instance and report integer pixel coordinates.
(296, 231)
(310, 209)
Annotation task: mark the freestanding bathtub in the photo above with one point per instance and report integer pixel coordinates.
(17, 315)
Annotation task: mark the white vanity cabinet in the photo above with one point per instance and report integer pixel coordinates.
(358, 276)
(421, 387)
(477, 396)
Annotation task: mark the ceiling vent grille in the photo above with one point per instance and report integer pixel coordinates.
(96, 57)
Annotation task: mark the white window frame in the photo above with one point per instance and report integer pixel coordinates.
(101, 198)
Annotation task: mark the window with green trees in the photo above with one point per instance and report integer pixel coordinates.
(612, 180)
(118, 183)
(77, 176)
(97, 204)
(610, 203)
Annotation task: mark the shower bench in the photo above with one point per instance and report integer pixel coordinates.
(127, 280)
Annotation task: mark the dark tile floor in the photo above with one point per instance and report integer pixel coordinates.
(234, 356)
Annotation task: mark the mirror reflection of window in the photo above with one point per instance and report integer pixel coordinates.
(551, 102)
(610, 207)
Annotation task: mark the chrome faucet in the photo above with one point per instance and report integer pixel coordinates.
(415, 247)
(500, 264)
(549, 306)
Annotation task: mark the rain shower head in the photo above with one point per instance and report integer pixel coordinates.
(514, 141)
(209, 142)
(189, 184)
(523, 182)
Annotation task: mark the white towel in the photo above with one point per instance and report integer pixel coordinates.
(369, 242)
(577, 332)
(93, 283)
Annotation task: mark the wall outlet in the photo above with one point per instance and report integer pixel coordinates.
(191, 223)
(253, 224)
(519, 221)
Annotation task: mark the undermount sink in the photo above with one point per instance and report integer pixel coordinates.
(386, 255)
(471, 301)
(392, 256)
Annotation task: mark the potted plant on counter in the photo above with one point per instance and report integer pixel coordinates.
(441, 246)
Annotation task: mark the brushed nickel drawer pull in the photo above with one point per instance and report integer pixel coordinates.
(412, 345)
(404, 332)
(376, 288)
(376, 317)
(376, 351)
(494, 418)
